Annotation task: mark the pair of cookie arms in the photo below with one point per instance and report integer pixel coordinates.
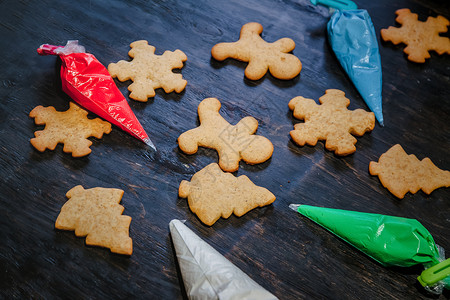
(212, 194)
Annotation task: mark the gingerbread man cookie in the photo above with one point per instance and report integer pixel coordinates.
(260, 55)
(232, 142)
(213, 194)
(420, 37)
(71, 128)
(401, 173)
(331, 121)
(149, 71)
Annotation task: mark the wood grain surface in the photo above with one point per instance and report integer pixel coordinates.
(284, 252)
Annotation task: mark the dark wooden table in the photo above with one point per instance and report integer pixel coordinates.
(284, 252)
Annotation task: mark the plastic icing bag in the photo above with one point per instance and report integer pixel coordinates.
(89, 84)
(207, 274)
(392, 241)
(353, 40)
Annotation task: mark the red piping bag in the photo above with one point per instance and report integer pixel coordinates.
(89, 84)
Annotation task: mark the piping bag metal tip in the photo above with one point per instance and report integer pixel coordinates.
(149, 142)
(380, 121)
(370, 91)
(375, 106)
(294, 206)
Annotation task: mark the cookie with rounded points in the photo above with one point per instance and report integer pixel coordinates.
(232, 142)
(260, 55)
(420, 37)
(71, 128)
(149, 71)
(330, 121)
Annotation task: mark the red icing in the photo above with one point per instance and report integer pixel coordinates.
(89, 84)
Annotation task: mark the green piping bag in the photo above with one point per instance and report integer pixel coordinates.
(391, 241)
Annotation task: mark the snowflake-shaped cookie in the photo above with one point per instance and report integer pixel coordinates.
(420, 37)
(71, 128)
(331, 121)
(149, 71)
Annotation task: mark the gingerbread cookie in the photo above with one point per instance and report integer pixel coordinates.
(401, 173)
(232, 142)
(149, 71)
(420, 37)
(97, 215)
(213, 194)
(71, 128)
(260, 55)
(331, 121)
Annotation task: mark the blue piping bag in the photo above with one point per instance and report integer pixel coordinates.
(352, 37)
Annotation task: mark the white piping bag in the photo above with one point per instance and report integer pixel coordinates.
(206, 273)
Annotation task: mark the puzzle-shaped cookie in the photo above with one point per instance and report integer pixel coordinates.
(213, 194)
(149, 71)
(260, 55)
(71, 128)
(97, 215)
(420, 37)
(401, 173)
(232, 142)
(331, 121)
